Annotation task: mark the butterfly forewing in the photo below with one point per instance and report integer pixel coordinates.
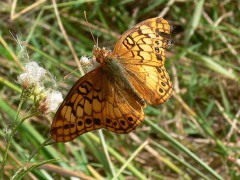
(80, 112)
(95, 103)
(144, 43)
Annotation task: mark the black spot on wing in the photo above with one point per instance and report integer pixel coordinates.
(159, 57)
(88, 121)
(97, 121)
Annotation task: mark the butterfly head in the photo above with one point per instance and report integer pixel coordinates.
(101, 55)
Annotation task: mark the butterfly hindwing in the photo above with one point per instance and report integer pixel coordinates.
(122, 112)
(153, 83)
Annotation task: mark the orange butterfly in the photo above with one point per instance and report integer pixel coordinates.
(113, 95)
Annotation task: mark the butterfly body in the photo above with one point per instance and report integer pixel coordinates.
(115, 72)
(113, 95)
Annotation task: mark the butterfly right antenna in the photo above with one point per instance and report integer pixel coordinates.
(85, 14)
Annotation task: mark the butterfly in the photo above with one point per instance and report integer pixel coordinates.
(113, 95)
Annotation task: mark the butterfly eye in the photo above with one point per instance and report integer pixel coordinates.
(99, 60)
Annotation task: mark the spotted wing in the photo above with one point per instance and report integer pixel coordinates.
(144, 43)
(153, 83)
(94, 103)
(141, 50)
(122, 112)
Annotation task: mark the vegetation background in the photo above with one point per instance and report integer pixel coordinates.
(194, 135)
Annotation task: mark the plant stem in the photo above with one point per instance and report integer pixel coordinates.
(106, 153)
(11, 135)
(130, 159)
(16, 175)
(22, 98)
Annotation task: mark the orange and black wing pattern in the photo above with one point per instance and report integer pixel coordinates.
(145, 43)
(95, 103)
(141, 50)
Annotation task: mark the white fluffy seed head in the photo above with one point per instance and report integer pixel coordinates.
(85, 61)
(50, 102)
(33, 75)
(89, 64)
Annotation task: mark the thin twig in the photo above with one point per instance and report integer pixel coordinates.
(32, 6)
(166, 9)
(92, 26)
(66, 37)
(65, 172)
(11, 53)
(225, 115)
(134, 154)
(222, 37)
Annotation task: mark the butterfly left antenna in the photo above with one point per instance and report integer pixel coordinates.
(97, 41)
(85, 14)
(65, 77)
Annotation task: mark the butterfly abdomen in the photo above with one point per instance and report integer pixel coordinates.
(116, 74)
